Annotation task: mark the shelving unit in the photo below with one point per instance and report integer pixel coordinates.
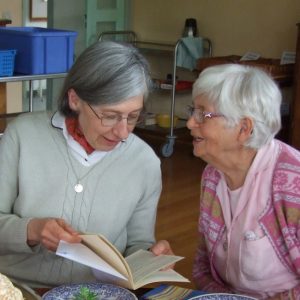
(30, 79)
(160, 49)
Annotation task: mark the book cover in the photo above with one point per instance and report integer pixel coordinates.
(170, 292)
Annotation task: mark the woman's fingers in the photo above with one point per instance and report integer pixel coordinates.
(49, 231)
(162, 247)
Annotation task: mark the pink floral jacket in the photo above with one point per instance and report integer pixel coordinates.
(281, 222)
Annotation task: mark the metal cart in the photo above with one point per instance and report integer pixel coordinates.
(131, 37)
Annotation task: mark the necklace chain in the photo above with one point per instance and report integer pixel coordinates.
(78, 187)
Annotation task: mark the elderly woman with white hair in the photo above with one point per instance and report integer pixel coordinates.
(250, 190)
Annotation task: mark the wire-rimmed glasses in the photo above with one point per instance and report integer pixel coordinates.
(200, 115)
(110, 120)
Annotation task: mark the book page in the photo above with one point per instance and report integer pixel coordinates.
(102, 247)
(138, 269)
(144, 263)
(161, 276)
(108, 278)
(82, 254)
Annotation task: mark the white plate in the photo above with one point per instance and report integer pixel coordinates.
(104, 291)
(222, 296)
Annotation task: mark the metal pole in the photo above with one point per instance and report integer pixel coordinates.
(30, 96)
(173, 88)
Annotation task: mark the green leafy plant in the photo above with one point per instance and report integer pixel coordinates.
(85, 294)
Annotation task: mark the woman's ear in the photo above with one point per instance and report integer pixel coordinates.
(74, 100)
(246, 128)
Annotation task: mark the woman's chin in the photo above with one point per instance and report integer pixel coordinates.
(198, 149)
(107, 148)
(106, 145)
(197, 153)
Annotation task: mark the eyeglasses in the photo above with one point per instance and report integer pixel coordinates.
(113, 119)
(199, 115)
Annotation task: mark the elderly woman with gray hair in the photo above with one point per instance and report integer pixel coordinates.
(80, 169)
(249, 234)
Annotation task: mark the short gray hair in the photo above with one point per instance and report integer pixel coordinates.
(106, 73)
(239, 91)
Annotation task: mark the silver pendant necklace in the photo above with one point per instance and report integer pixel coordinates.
(78, 187)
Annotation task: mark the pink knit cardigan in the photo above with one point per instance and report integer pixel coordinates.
(281, 221)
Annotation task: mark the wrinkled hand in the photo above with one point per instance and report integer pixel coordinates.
(49, 231)
(163, 247)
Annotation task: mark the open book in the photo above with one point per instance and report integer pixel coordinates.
(108, 264)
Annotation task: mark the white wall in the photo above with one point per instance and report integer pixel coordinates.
(234, 26)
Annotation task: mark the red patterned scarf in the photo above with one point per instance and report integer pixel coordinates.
(72, 125)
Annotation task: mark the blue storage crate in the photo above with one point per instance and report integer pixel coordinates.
(39, 50)
(7, 62)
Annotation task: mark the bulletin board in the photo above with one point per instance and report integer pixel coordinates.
(38, 10)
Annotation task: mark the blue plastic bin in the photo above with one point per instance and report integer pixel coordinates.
(7, 62)
(39, 50)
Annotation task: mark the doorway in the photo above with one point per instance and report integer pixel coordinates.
(105, 15)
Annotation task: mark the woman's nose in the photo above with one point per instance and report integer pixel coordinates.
(121, 129)
(189, 123)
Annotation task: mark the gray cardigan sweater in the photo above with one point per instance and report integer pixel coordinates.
(37, 181)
